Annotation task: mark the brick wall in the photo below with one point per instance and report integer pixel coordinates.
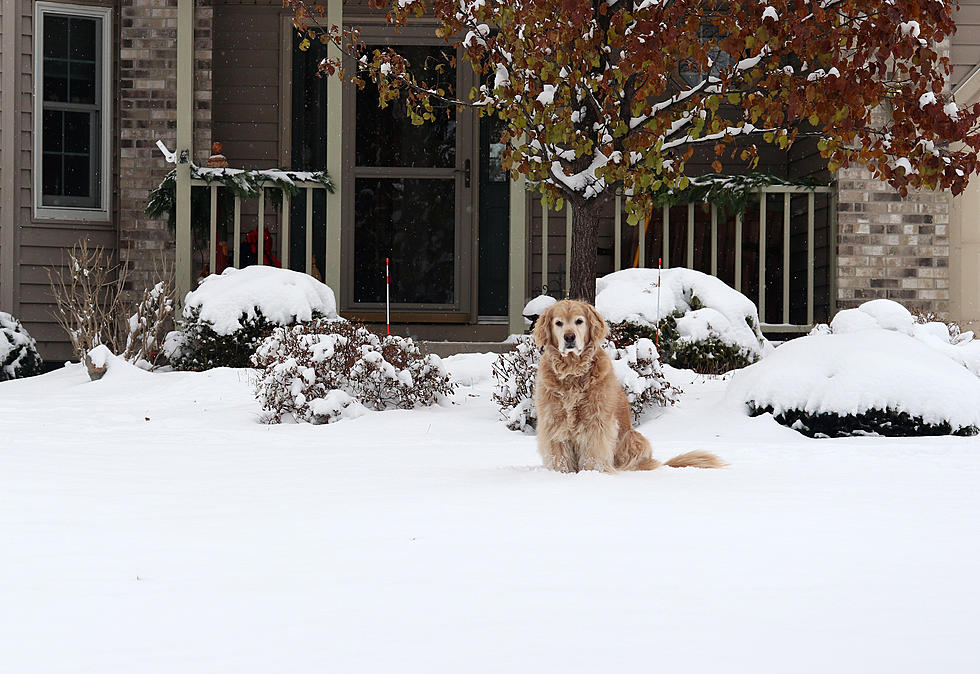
(890, 247)
(148, 112)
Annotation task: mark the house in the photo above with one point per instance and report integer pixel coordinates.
(87, 89)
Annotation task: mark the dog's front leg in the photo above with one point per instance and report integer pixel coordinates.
(559, 456)
(598, 450)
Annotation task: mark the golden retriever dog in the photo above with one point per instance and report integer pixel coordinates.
(583, 413)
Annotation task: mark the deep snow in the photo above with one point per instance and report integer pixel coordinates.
(149, 523)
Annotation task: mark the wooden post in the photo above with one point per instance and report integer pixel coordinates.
(517, 291)
(185, 145)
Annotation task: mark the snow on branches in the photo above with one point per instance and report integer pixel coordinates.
(598, 94)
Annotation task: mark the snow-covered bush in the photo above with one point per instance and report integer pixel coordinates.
(323, 371)
(704, 324)
(229, 314)
(18, 350)
(636, 365)
(947, 338)
(862, 382)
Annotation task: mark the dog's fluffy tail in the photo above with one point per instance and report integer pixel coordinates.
(697, 459)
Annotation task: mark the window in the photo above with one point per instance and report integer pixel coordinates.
(71, 111)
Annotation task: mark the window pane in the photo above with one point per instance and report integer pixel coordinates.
(387, 137)
(82, 83)
(81, 39)
(78, 175)
(52, 130)
(78, 132)
(51, 174)
(55, 80)
(55, 36)
(412, 221)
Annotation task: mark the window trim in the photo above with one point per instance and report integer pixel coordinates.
(42, 212)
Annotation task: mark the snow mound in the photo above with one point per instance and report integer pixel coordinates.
(890, 315)
(468, 369)
(337, 405)
(282, 295)
(704, 306)
(537, 306)
(18, 350)
(827, 377)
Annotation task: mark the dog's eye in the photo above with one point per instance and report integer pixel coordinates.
(579, 321)
(558, 323)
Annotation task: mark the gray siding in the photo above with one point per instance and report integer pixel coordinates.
(965, 49)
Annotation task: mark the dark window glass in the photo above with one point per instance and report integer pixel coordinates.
(387, 137)
(72, 111)
(412, 222)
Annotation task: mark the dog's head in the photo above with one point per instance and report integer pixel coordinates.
(570, 326)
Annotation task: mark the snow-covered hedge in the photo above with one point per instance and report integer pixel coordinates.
(636, 365)
(946, 338)
(861, 382)
(323, 371)
(229, 314)
(704, 324)
(18, 350)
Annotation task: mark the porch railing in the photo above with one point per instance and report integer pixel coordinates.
(305, 187)
(787, 273)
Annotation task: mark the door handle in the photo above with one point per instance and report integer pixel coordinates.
(466, 173)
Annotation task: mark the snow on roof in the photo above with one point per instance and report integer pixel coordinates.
(282, 295)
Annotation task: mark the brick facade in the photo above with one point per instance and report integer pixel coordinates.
(889, 247)
(147, 113)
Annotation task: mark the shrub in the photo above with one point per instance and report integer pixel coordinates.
(705, 325)
(708, 355)
(197, 346)
(229, 314)
(326, 370)
(18, 350)
(889, 422)
(636, 365)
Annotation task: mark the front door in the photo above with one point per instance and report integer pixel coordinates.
(409, 199)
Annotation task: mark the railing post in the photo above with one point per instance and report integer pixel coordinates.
(238, 232)
(809, 257)
(786, 225)
(738, 252)
(213, 232)
(618, 234)
(332, 266)
(284, 253)
(714, 240)
(260, 230)
(762, 255)
(568, 247)
(544, 246)
(309, 231)
(690, 235)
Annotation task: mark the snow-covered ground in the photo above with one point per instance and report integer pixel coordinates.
(149, 523)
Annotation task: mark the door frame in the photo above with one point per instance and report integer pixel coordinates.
(464, 309)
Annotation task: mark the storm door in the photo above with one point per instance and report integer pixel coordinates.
(409, 199)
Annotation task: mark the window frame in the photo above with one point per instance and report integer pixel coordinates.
(63, 212)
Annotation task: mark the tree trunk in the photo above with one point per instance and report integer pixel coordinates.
(585, 245)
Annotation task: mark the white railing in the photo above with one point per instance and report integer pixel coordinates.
(306, 186)
(664, 221)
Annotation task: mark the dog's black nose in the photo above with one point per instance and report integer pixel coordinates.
(569, 339)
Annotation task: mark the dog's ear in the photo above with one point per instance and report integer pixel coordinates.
(598, 329)
(542, 332)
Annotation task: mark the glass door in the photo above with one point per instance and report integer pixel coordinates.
(411, 200)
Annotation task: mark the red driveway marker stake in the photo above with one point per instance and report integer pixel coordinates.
(387, 297)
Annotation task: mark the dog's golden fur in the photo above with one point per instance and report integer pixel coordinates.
(583, 414)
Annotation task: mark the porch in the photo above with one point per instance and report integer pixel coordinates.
(778, 252)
